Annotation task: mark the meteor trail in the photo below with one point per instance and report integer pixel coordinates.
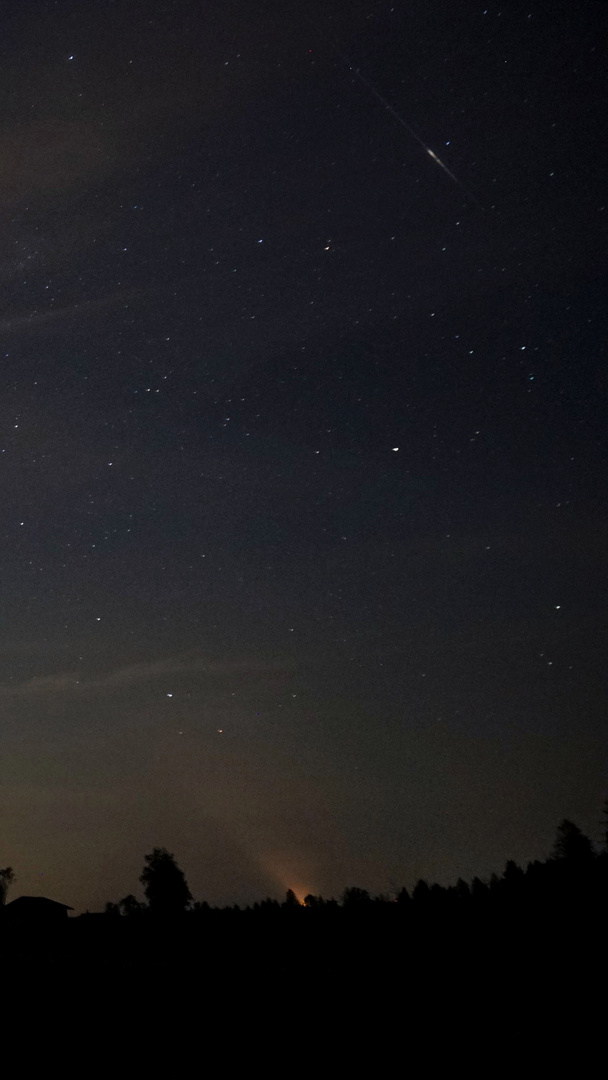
(404, 123)
(444, 167)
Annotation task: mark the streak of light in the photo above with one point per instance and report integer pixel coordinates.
(404, 124)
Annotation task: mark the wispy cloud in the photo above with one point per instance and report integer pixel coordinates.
(37, 320)
(75, 684)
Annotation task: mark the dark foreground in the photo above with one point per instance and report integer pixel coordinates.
(296, 990)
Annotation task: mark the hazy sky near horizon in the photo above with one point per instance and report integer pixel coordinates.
(302, 467)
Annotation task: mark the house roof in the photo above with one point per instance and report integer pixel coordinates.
(36, 903)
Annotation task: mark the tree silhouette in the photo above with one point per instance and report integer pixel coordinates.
(354, 897)
(164, 884)
(129, 905)
(7, 876)
(291, 900)
(421, 892)
(462, 890)
(513, 874)
(571, 843)
(312, 901)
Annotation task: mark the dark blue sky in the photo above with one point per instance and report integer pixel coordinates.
(302, 473)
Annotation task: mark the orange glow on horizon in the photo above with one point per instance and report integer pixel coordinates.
(288, 875)
(300, 892)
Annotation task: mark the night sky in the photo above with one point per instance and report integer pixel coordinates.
(302, 531)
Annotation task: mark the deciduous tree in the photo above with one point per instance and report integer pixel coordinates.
(164, 884)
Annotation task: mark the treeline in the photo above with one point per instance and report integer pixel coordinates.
(574, 875)
(528, 933)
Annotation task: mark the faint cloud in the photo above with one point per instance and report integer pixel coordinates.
(72, 683)
(39, 320)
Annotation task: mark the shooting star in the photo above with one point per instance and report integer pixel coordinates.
(444, 167)
(404, 123)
